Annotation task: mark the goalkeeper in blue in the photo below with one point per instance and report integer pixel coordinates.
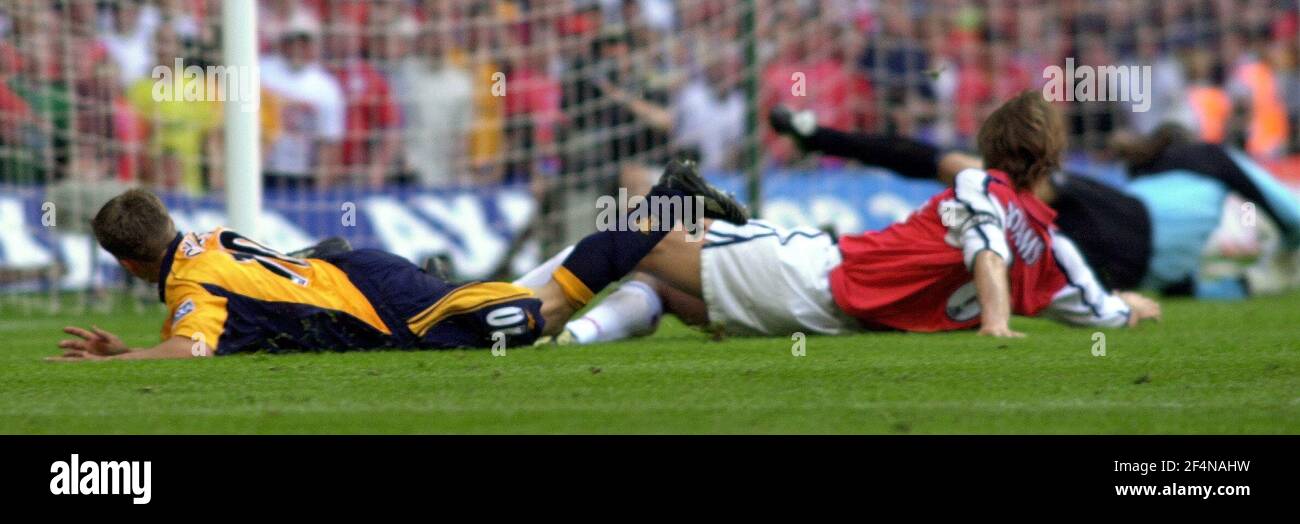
(227, 294)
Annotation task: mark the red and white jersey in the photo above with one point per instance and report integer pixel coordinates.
(916, 275)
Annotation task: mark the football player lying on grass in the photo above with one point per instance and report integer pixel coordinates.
(1150, 234)
(968, 259)
(227, 294)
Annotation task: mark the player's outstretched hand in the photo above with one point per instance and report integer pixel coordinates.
(95, 343)
(1143, 308)
(999, 331)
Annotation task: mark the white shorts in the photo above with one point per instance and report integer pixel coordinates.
(759, 279)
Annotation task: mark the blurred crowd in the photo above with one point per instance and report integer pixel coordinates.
(435, 93)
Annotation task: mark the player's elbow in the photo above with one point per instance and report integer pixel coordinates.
(991, 258)
(985, 259)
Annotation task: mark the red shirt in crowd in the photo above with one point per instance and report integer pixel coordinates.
(370, 109)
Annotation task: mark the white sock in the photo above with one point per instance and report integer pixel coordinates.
(540, 275)
(632, 310)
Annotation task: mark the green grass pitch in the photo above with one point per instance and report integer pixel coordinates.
(1209, 368)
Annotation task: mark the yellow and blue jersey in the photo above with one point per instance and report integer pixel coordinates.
(233, 295)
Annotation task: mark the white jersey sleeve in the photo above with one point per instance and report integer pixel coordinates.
(975, 220)
(1083, 301)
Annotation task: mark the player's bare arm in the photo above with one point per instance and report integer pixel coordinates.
(98, 344)
(994, 294)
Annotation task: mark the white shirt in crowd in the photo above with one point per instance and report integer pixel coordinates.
(132, 53)
(714, 125)
(438, 110)
(312, 109)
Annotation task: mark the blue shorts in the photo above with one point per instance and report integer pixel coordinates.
(426, 312)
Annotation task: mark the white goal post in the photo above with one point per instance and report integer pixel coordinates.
(243, 158)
